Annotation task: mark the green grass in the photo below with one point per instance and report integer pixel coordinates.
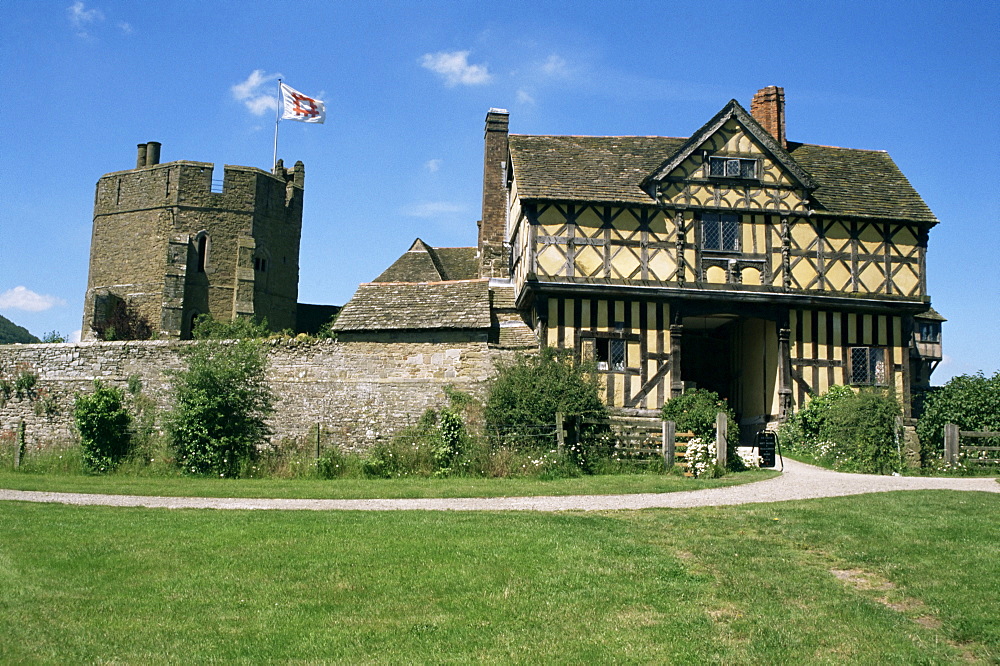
(407, 487)
(753, 584)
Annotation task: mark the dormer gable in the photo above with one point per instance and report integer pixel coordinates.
(734, 134)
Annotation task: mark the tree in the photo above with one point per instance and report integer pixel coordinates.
(972, 402)
(221, 405)
(104, 426)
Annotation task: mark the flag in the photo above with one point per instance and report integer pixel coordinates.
(302, 108)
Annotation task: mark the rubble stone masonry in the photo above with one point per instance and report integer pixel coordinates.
(357, 392)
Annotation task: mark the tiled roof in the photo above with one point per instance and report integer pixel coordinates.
(424, 305)
(860, 182)
(611, 168)
(423, 263)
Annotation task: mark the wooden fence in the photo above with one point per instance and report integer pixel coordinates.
(638, 437)
(953, 447)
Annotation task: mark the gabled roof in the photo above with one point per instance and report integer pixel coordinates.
(463, 304)
(614, 169)
(734, 110)
(423, 263)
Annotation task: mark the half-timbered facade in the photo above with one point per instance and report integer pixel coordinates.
(732, 260)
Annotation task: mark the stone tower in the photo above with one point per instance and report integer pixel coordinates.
(175, 240)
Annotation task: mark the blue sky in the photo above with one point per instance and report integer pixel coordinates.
(407, 87)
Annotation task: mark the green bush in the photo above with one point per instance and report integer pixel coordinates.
(221, 405)
(695, 410)
(104, 426)
(525, 395)
(854, 431)
(241, 328)
(972, 402)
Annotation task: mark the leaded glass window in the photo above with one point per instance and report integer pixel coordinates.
(720, 231)
(868, 366)
(732, 167)
(611, 354)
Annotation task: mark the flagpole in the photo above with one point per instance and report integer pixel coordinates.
(277, 116)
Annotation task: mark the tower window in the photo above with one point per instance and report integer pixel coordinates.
(202, 252)
(260, 264)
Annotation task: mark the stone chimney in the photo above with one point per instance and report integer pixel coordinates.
(493, 256)
(768, 109)
(148, 155)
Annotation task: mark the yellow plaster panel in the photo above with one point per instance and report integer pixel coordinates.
(588, 218)
(661, 265)
(751, 276)
(552, 339)
(850, 338)
(821, 332)
(808, 341)
(803, 234)
(589, 261)
(626, 222)
(619, 311)
(903, 236)
(883, 331)
(585, 316)
(866, 330)
(871, 278)
(550, 261)
(715, 275)
(602, 315)
(551, 216)
(907, 280)
(803, 273)
(625, 263)
(839, 274)
(870, 234)
(660, 224)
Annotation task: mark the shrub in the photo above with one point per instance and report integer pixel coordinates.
(972, 402)
(221, 404)
(853, 431)
(695, 410)
(104, 427)
(526, 393)
(241, 328)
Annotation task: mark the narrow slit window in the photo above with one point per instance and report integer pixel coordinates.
(202, 252)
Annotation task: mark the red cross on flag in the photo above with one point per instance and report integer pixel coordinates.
(301, 108)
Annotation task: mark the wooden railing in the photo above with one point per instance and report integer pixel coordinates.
(953, 447)
(640, 438)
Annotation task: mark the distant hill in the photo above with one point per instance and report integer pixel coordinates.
(11, 332)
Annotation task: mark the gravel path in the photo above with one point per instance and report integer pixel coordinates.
(799, 481)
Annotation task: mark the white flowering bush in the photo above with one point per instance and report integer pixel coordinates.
(701, 457)
(750, 456)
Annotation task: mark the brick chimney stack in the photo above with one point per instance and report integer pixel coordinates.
(768, 109)
(493, 256)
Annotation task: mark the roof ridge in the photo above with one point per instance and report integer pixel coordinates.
(382, 284)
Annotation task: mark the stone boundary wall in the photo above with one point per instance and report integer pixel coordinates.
(357, 392)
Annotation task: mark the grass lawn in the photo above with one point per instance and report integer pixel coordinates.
(903, 577)
(407, 487)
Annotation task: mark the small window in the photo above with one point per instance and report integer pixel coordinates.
(868, 366)
(720, 231)
(929, 331)
(202, 252)
(260, 264)
(732, 167)
(611, 354)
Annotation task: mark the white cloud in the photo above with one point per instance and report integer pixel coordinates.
(253, 95)
(433, 165)
(524, 97)
(432, 209)
(82, 18)
(125, 27)
(555, 66)
(75, 336)
(22, 298)
(455, 68)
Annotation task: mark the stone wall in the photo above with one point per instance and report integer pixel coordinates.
(357, 392)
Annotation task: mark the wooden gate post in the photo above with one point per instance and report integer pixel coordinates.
(721, 426)
(951, 443)
(560, 431)
(669, 443)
